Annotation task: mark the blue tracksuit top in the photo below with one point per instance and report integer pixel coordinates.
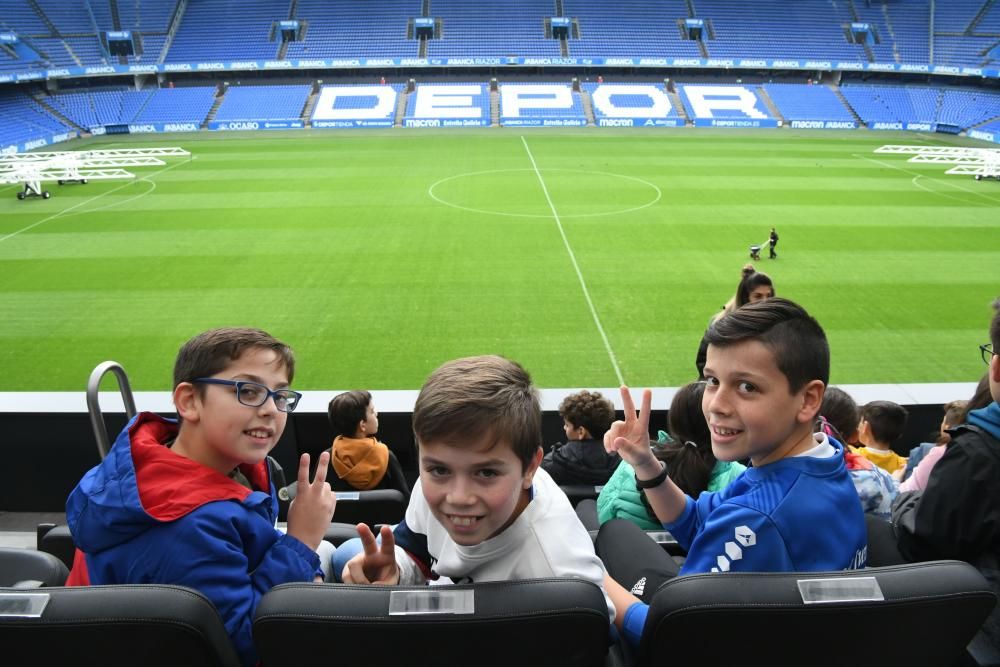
(798, 514)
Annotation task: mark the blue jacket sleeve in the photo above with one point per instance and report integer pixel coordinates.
(735, 538)
(234, 563)
(635, 621)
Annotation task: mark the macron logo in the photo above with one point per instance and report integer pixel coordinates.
(744, 538)
(639, 587)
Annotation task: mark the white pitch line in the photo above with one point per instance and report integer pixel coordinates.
(84, 202)
(576, 266)
(933, 178)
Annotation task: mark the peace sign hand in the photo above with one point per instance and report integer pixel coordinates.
(630, 438)
(377, 565)
(312, 510)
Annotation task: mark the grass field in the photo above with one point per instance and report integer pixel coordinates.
(380, 254)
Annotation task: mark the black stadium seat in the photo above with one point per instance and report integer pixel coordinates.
(113, 626)
(531, 623)
(371, 507)
(809, 618)
(27, 568)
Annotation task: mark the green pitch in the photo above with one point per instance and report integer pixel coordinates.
(584, 254)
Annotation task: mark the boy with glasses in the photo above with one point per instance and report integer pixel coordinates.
(958, 515)
(190, 502)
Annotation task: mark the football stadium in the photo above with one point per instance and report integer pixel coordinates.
(584, 187)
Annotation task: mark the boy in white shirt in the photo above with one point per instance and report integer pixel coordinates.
(482, 509)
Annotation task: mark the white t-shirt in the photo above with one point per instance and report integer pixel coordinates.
(546, 540)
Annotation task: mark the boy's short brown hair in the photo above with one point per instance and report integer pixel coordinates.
(212, 351)
(589, 409)
(796, 340)
(346, 410)
(467, 398)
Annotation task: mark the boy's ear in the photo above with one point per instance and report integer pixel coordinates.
(995, 369)
(812, 399)
(529, 473)
(186, 400)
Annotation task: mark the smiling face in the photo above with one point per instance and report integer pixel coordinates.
(475, 489)
(750, 409)
(219, 431)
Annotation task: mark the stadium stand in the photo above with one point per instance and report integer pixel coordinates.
(247, 33)
(954, 107)
(479, 101)
(25, 120)
(263, 102)
(620, 98)
(556, 114)
(777, 29)
(805, 102)
(355, 106)
(630, 27)
(353, 30)
(692, 94)
(515, 28)
(177, 105)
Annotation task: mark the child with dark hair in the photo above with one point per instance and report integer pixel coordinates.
(587, 415)
(359, 459)
(795, 510)
(839, 419)
(753, 286)
(881, 425)
(191, 501)
(958, 514)
(687, 454)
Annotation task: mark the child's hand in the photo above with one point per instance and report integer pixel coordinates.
(312, 510)
(377, 565)
(630, 438)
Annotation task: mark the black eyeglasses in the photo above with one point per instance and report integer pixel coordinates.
(254, 394)
(988, 352)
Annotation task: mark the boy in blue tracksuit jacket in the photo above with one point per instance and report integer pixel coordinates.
(795, 509)
(191, 502)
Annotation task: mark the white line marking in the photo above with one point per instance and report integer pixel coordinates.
(933, 178)
(576, 267)
(430, 193)
(83, 203)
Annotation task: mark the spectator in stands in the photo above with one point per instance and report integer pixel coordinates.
(926, 454)
(753, 286)
(794, 510)
(958, 514)
(191, 502)
(881, 425)
(482, 510)
(772, 243)
(687, 453)
(360, 461)
(876, 488)
(587, 415)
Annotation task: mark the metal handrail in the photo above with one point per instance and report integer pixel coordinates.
(96, 417)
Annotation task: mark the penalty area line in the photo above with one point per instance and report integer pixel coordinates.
(576, 266)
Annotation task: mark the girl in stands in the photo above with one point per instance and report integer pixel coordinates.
(754, 286)
(687, 451)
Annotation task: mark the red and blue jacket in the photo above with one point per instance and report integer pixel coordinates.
(148, 515)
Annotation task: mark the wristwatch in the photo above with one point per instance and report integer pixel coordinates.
(656, 481)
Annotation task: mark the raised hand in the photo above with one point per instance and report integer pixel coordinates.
(630, 438)
(377, 565)
(312, 510)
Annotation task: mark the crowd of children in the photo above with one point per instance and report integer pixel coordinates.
(190, 500)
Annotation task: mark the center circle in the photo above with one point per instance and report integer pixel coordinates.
(593, 193)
